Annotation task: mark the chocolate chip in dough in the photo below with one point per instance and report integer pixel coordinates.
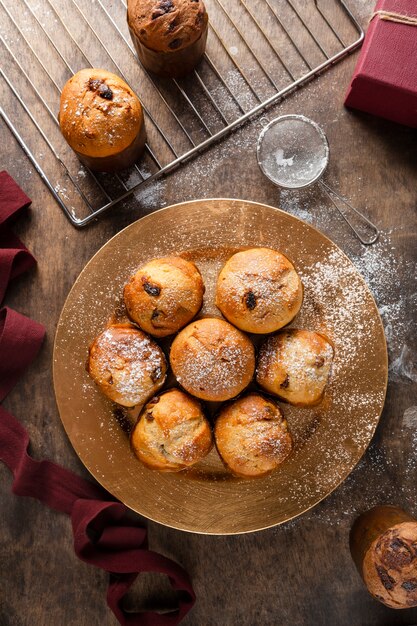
(175, 43)
(156, 374)
(151, 290)
(105, 92)
(250, 300)
(285, 383)
(387, 580)
(163, 7)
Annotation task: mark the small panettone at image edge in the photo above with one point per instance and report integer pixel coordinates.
(169, 35)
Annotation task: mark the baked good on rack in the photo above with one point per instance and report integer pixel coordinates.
(252, 436)
(172, 432)
(169, 35)
(102, 120)
(164, 295)
(126, 364)
(295, 365)
(259, 291)
(212, 359)
(383, 544)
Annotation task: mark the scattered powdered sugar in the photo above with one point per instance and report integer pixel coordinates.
(382, 267)
(281, 161)
(336, 280)
(410, 419)
(405, 366)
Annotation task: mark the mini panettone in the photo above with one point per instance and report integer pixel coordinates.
(126, 364)
(259, 291)
(212, 359)
(164, 295)
(102, 120)
(169, 35)
(252, 436)
(295, 365)
(383, 544)
(172, 432)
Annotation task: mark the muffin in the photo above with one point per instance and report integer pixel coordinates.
(295, 366)
(169, 35)
(164, 295)
(172, 432)
(259, 291)
(252, 436)
(127, 365)
(102, 120)
(212, 360)
(383, 544)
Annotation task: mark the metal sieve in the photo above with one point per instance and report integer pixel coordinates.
(293, 152)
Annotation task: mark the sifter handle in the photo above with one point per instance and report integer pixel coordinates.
(366, 225)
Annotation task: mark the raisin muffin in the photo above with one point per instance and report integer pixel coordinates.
(164, 295)
(259, 291)
(383, 545)
(295, 365)
(172, 432)
(127, 365)
(252, 436)
(169, 35)
(212, 359)
(102, 120)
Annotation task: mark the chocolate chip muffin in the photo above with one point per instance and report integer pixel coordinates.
(164, 295)
(259, 291)
(102, 120)
(295, 365)
(169, 35)
(252, 436)
(212, 359)
(383, 544)
(172, 432)
(127, 365)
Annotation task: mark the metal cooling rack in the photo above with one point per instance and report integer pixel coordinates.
(258, 51)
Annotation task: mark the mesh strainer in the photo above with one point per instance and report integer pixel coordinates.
(293, 153)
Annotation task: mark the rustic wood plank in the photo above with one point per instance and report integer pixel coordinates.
(301, 572)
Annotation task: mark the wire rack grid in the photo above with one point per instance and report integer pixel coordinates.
(258, 52)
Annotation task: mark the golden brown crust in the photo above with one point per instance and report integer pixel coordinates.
(390, 566)
(126, 364)
(172, 432)
(252, 436)
(167, 25)
(383, 545)
(99, 116)
(212, 360)
(259, 291)
(164, 295)
(295, 365)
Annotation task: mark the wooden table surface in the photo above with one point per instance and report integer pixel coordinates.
(299, 573)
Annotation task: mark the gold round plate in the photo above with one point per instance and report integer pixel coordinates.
(329, 439)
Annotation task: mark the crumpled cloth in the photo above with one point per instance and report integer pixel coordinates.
(104, 535)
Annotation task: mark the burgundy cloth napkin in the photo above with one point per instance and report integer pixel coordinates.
(104, 534)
